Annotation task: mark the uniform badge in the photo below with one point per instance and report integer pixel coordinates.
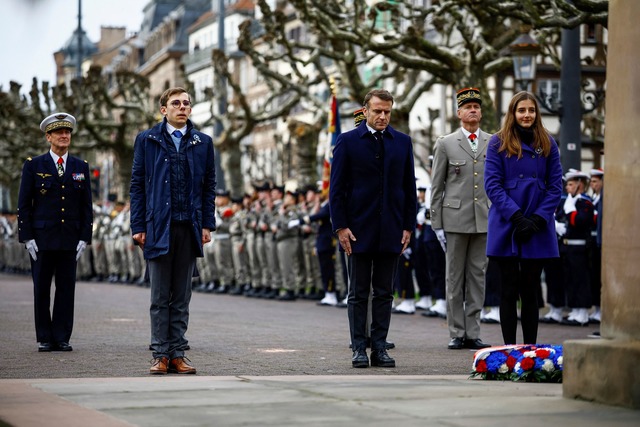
(43, 191)
(78, 176)
(43, 175)
(196, 139)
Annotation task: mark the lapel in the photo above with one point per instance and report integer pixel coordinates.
(463, 142)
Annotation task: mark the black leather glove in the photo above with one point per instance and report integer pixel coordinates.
(538, 222)
(524, 226)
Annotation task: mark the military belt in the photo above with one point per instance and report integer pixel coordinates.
(574, 242)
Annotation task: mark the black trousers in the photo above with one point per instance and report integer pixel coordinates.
(436, 266)
(519, 280)
(368, 272)
(56, 327)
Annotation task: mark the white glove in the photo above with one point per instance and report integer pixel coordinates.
(32, 248)
(570, 203)
(421, 218)
(293, 223)
(441, 238)
(407, 253)
(561, 228)
(82, 245)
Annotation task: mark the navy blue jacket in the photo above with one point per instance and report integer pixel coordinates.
(374, 195)
(325, 241)
(56, 212)
(151, 186)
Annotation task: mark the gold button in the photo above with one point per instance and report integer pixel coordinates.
(475, 186)
(62, 209)
(62, 197)
(63, 221)
(475, 198)
(475, 174)
(63, 186)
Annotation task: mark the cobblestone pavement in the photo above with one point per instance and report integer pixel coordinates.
(229, 336)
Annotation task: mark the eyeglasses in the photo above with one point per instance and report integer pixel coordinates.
(176, 103)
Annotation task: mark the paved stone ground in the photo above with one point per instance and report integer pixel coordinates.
(229, 336)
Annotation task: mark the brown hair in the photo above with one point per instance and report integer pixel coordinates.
(169, 93)
(510, 141)
(383, 94)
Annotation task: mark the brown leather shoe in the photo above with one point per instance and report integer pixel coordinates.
(160, 366)
(179, 365)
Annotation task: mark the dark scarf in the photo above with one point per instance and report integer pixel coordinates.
(525, 134)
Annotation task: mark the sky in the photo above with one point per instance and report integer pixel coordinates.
(38, 28)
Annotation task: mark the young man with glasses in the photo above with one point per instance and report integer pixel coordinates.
(172, 215)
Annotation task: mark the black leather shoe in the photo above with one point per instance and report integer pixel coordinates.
(456, 343)
(381, 359)
(388, 345)
(62, 346)
(44, 346)
(360, 359)
(476, 344)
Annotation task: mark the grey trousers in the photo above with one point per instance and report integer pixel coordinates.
(170, 276)
(466, 263)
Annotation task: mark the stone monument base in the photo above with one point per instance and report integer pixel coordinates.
(604, 370)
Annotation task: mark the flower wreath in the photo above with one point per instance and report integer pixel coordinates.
(535, 363)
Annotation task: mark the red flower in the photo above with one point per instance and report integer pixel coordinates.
(511, 362)
(543, 353)
(527, 364)
(481, 366)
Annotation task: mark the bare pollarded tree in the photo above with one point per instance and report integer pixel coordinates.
(407, 46)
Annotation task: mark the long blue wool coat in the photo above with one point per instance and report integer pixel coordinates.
(532, 184)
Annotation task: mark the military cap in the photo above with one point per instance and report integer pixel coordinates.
(575, 174)
(358, 116)
(237, 200)
(279, 188)
(58, 121)
(596, 172)
(468, 94)
(262, 187)
(222, 193)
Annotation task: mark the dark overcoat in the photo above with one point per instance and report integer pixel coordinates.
(151, 186)
(373, 193)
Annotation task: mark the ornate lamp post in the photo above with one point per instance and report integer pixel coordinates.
(524, 50)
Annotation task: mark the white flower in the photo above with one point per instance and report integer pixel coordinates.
(547, 366)
(560, 361)
(531, 354)
(503, 369)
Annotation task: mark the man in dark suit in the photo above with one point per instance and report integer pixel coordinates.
(55, 217)
(373, 211)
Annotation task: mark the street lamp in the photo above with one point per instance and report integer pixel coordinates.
(524, 50)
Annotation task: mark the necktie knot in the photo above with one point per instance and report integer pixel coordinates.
(473, 137)
(60, 161)
(177, 133)
(378, 136)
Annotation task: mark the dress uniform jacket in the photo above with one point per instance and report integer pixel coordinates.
(459, 203)
(56, 212)
(376, 200)
(532, 184)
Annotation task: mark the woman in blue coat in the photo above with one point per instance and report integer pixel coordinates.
(523, 180)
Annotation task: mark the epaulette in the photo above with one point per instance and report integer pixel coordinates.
(29, 159)
(86, 161)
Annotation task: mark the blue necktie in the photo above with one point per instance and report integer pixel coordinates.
(177, 134)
